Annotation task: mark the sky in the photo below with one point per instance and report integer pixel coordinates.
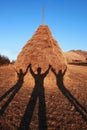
(19, 19)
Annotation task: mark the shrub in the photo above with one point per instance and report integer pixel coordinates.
(4, 60)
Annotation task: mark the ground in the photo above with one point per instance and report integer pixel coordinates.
(55, 108)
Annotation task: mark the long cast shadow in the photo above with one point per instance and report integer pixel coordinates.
(59, 78)
(13, 90)
(38, 92)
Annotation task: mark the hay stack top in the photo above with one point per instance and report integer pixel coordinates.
(41, 50)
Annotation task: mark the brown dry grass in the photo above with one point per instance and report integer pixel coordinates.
(60, 113)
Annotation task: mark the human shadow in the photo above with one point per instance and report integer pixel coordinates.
(12, 91)
(59, 79)
(38, 93)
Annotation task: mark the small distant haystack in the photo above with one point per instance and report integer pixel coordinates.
(41, 50)
(73, 56)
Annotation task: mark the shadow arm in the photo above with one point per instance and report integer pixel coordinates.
(31, 71)
(53, 70)
(47, 71)
(64, 72)
(26, 70)
(16, 72)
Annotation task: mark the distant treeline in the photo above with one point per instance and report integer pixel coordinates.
(78, 63)
(4, 60)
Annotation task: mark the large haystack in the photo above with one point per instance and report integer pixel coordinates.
(41, 50)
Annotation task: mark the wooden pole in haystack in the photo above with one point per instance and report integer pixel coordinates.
(42, 15)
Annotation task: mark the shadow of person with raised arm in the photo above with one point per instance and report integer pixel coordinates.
(12, 91)
(68, 95)
(38, 92)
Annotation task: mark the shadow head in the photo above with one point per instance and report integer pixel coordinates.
(20, 71)
(60, 71)
(38, 70)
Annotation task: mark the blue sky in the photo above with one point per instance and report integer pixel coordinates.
(19, 19)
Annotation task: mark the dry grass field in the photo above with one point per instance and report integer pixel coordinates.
(56, 108)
